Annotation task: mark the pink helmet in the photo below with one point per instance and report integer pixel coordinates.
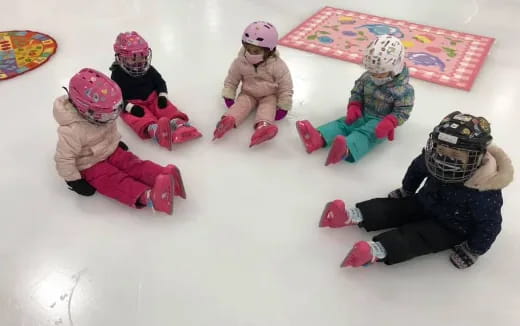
(96, 97)
(133, 53)
(261, 34)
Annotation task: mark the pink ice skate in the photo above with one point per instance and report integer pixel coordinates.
(177, 180)
(163, 134)
(310, 137)
(161, 195)
(183, 132)
(335, 216)
(359, 255)
(264, 132)
(224, 125)
(338, 151)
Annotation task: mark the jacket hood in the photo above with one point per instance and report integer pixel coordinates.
(65, 113)
(402, 79)
(495, 173)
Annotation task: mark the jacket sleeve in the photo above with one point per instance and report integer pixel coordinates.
(158, 81)
(285, 86)
(488, 220)
(357, 93)
(415, 175)
(404, 104)
(232, 80)
(68, 148)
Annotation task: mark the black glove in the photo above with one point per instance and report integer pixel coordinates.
(399, 193)
(123, 146)
(137, 111)
(162, 102)
(462, 256)
(82, 187)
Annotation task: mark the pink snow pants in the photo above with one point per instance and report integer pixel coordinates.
(245, 103)
(152, 113)
(123, 176)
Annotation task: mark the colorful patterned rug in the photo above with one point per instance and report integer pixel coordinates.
(23, 51)
(433, 54)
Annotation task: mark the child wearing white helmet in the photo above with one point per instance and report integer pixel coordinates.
(266, 85)
(381, 100)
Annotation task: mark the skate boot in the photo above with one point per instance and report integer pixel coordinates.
(310, 136)
(360, 255)
(178, 185)
(335, 215)
(264, 132)
(223, 126)
(182, 131)
(162, 133)
(338, 151)
(160, 198)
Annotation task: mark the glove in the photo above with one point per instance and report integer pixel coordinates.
(162, 102)
(137, 111)
(353, 112)
(82, 187)
(386, 127)
(399, 193)
(229, 102)
(123, 146)
(462, 256)
(280, 114)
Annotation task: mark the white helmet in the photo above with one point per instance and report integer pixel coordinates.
(384, 54)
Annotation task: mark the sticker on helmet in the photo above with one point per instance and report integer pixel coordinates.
(462, 117)
(454, 125)
(448, 138)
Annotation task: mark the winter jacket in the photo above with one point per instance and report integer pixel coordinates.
(271, 77)
(471, 209)
(81, 144)
(395, 97)
(138, 88)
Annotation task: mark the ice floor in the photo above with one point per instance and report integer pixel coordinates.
(244, 249)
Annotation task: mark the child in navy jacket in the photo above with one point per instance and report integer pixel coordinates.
(458, 207)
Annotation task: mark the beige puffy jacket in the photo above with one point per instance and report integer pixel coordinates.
(271, 77)
(81, 144)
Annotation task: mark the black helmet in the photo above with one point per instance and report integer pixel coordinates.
(456, 147)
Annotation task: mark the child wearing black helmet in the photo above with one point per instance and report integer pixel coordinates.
(457, 207)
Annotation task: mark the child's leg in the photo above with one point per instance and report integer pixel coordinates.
(244, 104)
(140, 124)
(385, 213)
(265, 129)
(266, 110)
(170, 111)
(114, 183)
(416, 239)
(145, 171)
(362, 140)
(337, 127)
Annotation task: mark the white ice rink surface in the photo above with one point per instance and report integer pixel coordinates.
(244, 249)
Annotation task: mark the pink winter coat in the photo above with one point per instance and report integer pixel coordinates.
(81, 144)
(271, 77)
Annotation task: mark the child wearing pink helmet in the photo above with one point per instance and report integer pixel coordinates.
(90, 156)
(266, 85)
(147, 108)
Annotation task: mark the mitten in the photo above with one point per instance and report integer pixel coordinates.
(386, 127)
(229, 102)
(354, 112)
(462, 256)
(136, 111)
(82, 187)
(162, 102)
(399, 193)
(280, 114)
(123, 146)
